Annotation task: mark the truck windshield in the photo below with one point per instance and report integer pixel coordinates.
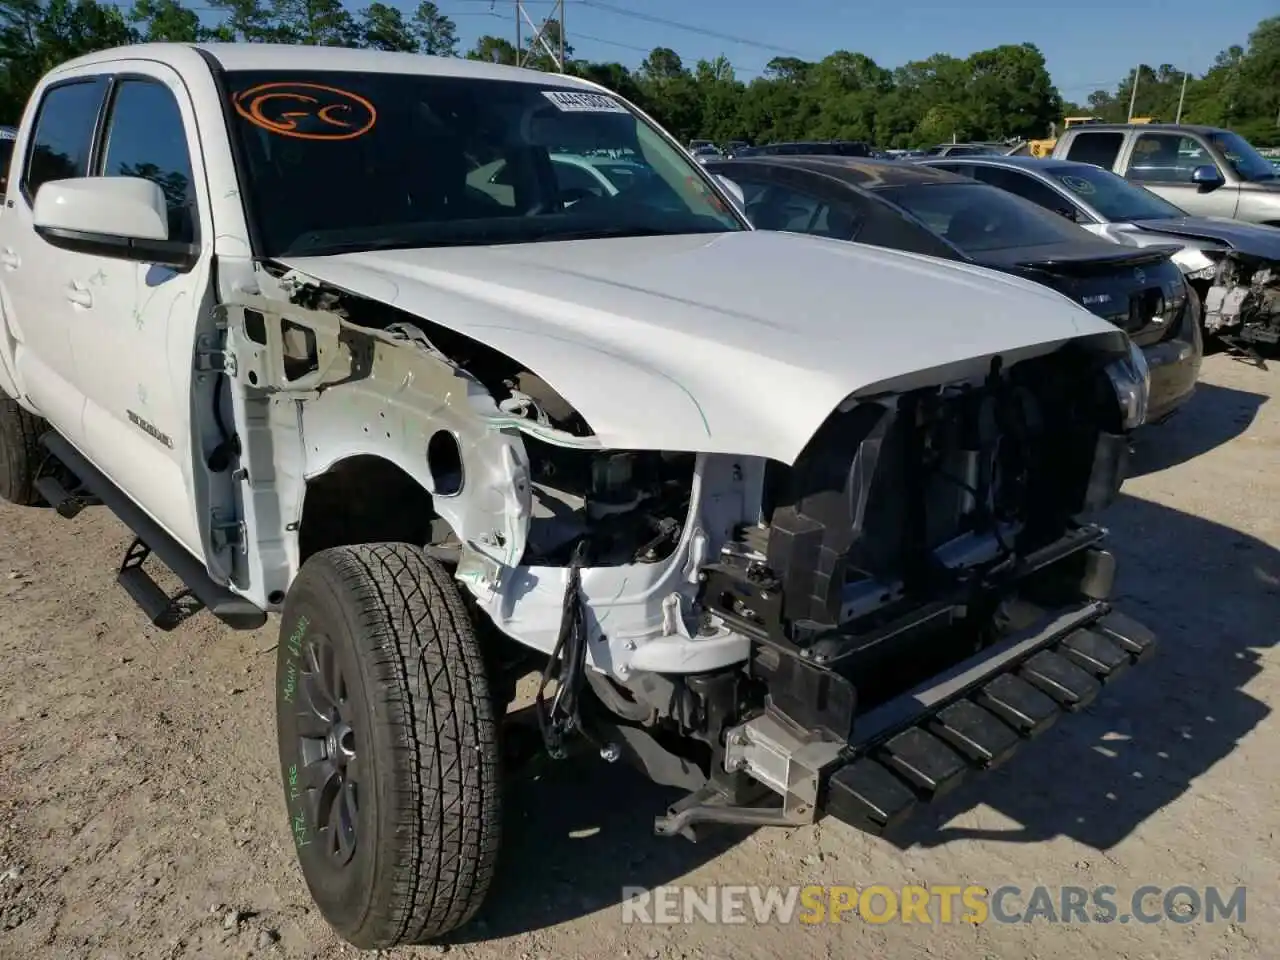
(1248, 163)
(337, 162)
(1114, 197)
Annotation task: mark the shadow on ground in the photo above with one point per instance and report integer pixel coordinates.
(575, 838)
(1212, 417)
(1098, 775)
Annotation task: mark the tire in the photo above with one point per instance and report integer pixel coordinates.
(20, 454)
(416, 722)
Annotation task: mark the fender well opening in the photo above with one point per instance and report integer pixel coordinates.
(364, 499)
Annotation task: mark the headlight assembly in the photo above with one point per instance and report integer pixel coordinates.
(1131, 379)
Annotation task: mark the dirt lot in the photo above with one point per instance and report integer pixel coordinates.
(141, 814)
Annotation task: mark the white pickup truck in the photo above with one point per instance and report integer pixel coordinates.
(791, 524)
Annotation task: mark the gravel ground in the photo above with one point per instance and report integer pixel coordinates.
(141, 814)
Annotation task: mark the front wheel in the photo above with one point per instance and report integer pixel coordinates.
(388, 745)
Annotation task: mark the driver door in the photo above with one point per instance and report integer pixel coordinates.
(1164, 163)
(133, 331)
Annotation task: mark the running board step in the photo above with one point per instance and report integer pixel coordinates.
(201, 590)
(162, 610)
(67, 504)
(984, 727)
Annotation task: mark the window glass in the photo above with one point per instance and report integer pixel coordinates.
(778, 208)
(8, 138)
(348, 161)
(752, 190)
(574, 179)
(976, 217)
(64, 133)
(1247, 162)
(1027, 187)
(1114, 197)
(1166, 158)
(1100, 149)
(146, 138)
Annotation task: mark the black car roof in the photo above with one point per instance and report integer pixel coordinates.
(861, 171)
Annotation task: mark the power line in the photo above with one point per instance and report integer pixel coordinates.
(690, 28)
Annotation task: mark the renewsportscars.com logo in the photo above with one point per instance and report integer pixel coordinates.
(938, 904)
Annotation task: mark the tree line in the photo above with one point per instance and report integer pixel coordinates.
(996, 94)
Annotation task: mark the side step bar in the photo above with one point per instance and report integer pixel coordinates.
(165, 612)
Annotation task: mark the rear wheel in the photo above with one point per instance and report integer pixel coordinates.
(388, 745)
(19, 452)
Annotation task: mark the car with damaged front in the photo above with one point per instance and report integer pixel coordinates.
(1233, 266)
(798, 527)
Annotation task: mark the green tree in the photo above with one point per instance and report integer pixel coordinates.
(437, 35)
(322, 23)
(165, 20)
(493, 50)
(384, 28)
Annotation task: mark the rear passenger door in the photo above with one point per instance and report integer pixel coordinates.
(34, 285)
(1099, 147)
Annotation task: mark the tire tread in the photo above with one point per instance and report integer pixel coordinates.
(19, 452)
(424, 657)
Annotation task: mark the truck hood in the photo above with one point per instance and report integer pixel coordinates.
(738, 343)
(1246, 237)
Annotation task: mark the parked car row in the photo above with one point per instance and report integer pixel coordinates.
(928, 211)
(795, 525)
(1230, 266)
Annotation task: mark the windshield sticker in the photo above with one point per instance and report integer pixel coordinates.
(571, 101)
(306, 111)
(1077, 184)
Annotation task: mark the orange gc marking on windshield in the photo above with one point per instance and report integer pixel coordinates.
(306, 111)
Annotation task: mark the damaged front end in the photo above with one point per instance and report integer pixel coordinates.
(909, 599)
(920, 599)
(1241, 295)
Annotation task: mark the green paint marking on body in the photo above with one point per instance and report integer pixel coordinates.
(294, 643)
(290, 686)
(298, 825)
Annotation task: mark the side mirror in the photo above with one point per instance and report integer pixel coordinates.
(1207, 176)
(732, 189)
(122, 217)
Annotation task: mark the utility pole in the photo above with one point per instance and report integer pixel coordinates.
(1133, 94)
(1182, 95)
(539, 34)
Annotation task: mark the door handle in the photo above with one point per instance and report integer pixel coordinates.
(79, 294)
(10, 259)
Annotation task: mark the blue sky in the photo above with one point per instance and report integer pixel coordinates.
(1087, 43)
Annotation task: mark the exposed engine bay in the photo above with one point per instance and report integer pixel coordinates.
(1241, 298)
(718, 615)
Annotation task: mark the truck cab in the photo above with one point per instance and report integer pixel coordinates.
(1206, 171)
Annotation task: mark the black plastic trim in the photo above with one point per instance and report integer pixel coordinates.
(168, 253)
(230, 608)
